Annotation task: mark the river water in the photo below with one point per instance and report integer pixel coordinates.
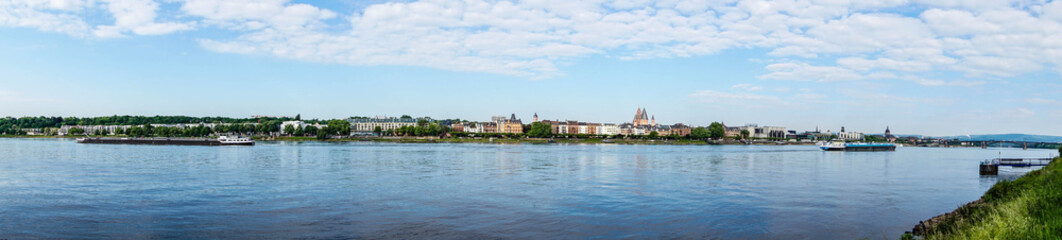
(55, 188)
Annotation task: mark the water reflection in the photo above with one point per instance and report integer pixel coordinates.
(378, 190)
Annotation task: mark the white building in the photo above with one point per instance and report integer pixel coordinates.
(756, 131)
(294, 124)
(297, 125)
(850, 135)
(562, 128)
(608, 129)
(584, 129)
(473, 128)
(366, 126)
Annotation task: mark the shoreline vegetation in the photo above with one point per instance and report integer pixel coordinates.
(414, 130)
(633, 140)
(494, 140)
(502, 139)
(1029, 207)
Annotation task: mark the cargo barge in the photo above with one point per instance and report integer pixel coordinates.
(856, 147)
(220, 141)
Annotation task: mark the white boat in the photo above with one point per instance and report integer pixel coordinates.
(835, 145)
(235, 140)
(840, 145)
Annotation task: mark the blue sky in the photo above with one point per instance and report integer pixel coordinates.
(919, 67)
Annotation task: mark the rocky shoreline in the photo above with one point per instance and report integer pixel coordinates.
(932, 224)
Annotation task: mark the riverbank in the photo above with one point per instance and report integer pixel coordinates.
(633, 141)
(1029, 207)
(532, 140)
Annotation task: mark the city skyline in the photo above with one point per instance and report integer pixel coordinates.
(939, 69)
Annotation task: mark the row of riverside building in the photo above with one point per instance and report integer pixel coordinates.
(642, 124)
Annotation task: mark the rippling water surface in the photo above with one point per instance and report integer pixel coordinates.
(52, 188)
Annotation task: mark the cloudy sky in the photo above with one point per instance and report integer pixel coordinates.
(943, 67)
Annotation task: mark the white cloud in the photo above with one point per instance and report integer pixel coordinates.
(67, 16)
(939, 83)
(806, 72)
(256, 15)
(746, 87)
(531, 38)
(137, 16)
(48, 16)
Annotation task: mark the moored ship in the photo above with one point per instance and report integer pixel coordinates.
(856, 147)
(220, 141)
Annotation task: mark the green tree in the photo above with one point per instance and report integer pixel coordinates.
(699, 133)
(540, 130)
(744, 134)
(138, 131)
(321, 135)
(406, 117)
(1059, 151)
(422, 123)
(339, 127)
(716, 130)
(377, 130)
(289, 129)
(298, 117)
(653, 135)
(76, 131)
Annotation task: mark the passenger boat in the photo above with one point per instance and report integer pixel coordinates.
(235, 140)
(839, 145)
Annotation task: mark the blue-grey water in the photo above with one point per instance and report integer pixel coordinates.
(52, 188)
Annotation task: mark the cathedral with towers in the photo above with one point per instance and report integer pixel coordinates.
(642, 119)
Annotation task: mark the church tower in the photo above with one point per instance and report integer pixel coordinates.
(641, 118)
(637, 115)
(653, 121)
(535, 118)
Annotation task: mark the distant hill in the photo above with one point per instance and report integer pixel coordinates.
(1009, 137)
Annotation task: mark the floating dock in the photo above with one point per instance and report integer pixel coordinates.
(991, 167)
(166, 141)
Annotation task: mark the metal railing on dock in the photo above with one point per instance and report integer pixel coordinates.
(991, 166)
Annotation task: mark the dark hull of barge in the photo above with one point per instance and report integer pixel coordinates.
(160, 141)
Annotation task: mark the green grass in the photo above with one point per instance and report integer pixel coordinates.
(1029, 207)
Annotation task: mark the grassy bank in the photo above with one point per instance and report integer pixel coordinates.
(1029, 207)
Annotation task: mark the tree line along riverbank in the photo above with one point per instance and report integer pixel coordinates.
(494, 140)
(1029, 207)
(506, 140)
